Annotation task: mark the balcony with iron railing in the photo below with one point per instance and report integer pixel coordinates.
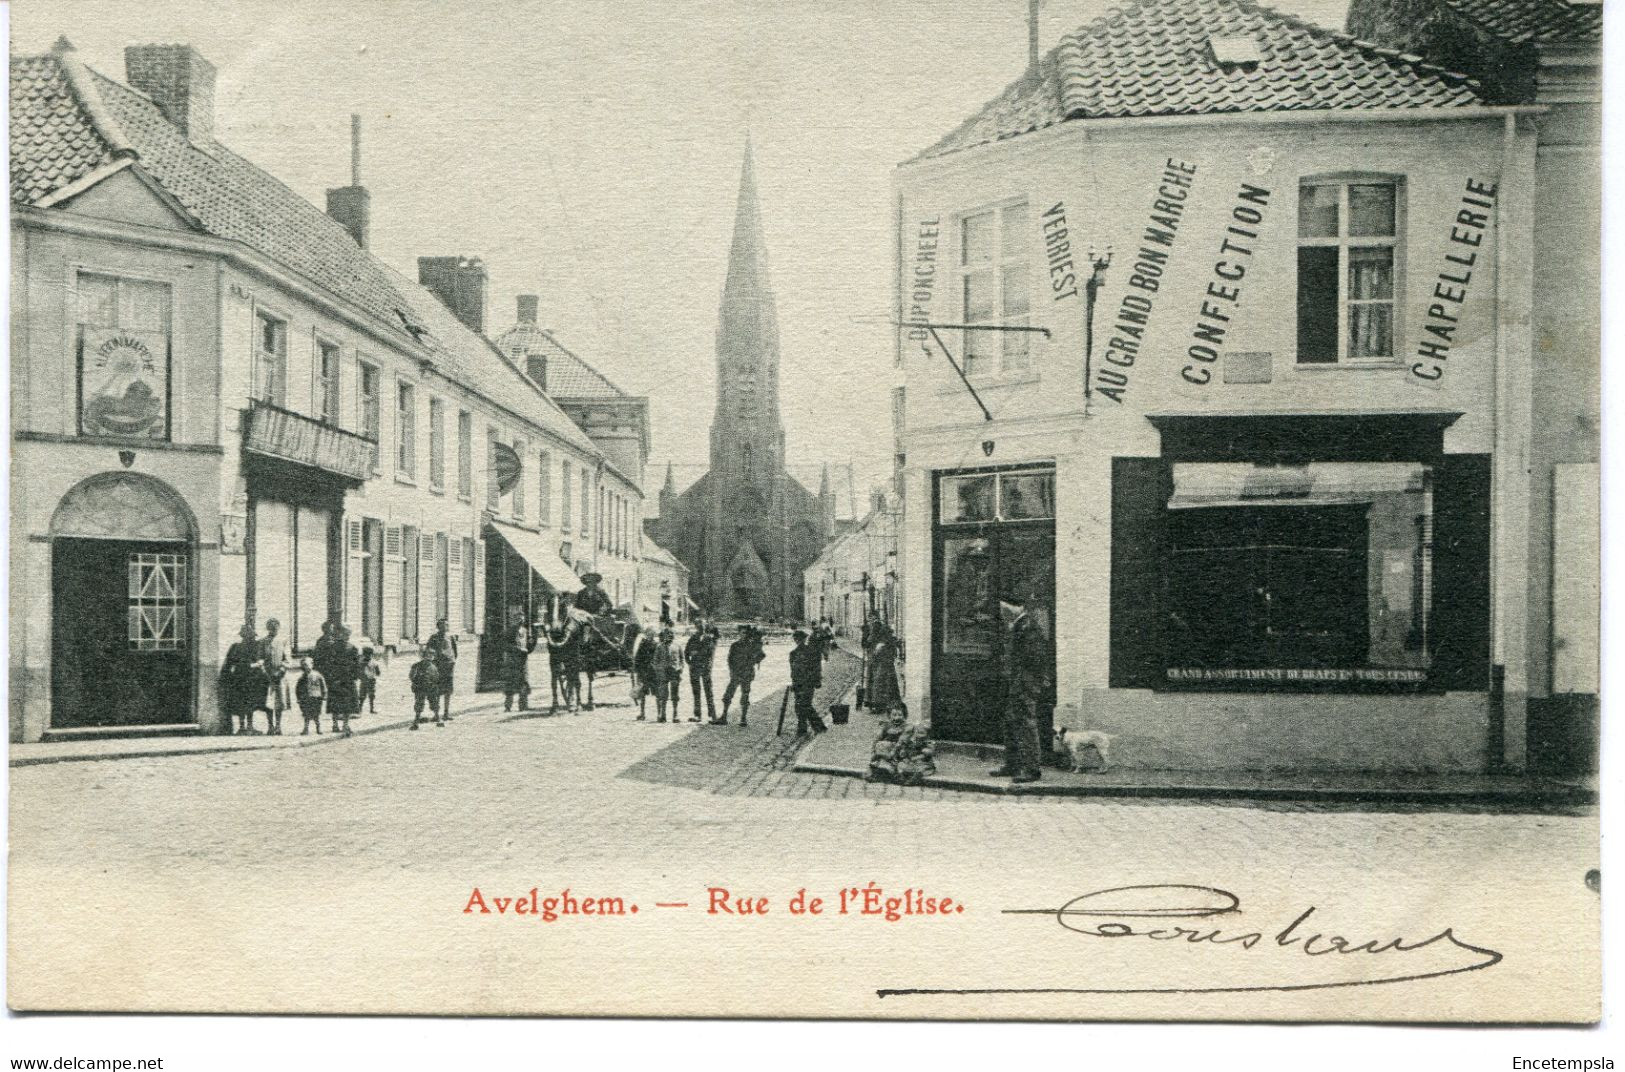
(284, 435)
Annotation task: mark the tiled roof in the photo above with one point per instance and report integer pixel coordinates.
(474, 361)
(568, 376)
(1153, 58)
(236, 200)
(1546, 21)
(54, 142)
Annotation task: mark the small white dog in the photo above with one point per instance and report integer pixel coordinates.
(1073, 744)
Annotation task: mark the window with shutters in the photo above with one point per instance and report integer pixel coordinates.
(564, 497)
(586, 503)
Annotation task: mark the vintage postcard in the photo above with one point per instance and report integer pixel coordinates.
(887, 510)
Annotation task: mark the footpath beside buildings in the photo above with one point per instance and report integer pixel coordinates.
(225, 409)
(1283, 409)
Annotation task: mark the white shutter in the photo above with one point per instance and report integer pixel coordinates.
(454, 583)
(479, 586)
(392, 585)
(310, 586)
(273, 563)
(354, 560)
(426, 583)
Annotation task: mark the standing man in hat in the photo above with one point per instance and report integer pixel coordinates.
(806, 674)
(743, 655)
(443, 647)
(1026, 673)
(698, 653)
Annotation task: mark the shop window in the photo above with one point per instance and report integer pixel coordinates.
(1318, 574)
(367, 396)
(123, 341)
(1348, 234)
(270, 359)
(437, 444)
(995, 289)
(327, 382)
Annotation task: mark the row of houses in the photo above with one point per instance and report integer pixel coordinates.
(857, 577)
(1262, 361)
(226, 409)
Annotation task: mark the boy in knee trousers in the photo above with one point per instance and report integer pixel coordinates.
(310, 691)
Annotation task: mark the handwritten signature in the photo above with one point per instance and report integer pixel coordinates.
(1147, 913)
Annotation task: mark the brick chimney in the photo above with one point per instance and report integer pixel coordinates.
(180, 81)
(459, 283)
(535, 363)
(351, 205)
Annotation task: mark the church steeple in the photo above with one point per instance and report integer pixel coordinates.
(747, 257)
(668, 493)
(746, 433)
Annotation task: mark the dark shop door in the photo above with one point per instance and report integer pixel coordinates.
(121, 634)
(973, 566)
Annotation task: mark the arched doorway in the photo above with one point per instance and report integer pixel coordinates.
(123, 599)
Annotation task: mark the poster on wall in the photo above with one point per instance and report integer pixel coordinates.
(124, 383)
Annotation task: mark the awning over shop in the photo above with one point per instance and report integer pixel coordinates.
(1199, 484)
(535, 549)
(693, 606)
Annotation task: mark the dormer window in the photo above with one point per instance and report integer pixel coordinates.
(1235, 53)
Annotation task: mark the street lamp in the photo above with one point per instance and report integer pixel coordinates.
(1098, 261)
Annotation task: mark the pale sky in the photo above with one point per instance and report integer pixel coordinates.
(589, 152)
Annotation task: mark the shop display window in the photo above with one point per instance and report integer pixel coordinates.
(1299, 574)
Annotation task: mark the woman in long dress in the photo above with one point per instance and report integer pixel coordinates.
(243, 682)
(883, 693)
(343, 681)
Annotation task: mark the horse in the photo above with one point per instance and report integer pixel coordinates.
(601, 644)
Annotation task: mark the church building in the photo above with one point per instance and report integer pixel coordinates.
(747, 529)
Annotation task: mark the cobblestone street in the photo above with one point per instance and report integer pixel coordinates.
(248, 862)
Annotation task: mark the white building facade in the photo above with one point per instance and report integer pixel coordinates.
(1265, 469)
(226, 410)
